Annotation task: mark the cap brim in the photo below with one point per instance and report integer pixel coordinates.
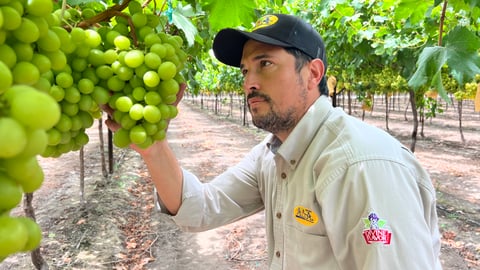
(228, 44)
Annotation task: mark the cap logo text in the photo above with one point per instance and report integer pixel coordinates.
(265, 21)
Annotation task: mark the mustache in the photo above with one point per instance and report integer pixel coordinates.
(257, 94)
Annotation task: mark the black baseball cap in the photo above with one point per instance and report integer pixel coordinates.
(275, 29)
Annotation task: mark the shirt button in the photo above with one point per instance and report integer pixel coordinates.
(277, 254)
(293, 162)
(279, 215)
(284, 175)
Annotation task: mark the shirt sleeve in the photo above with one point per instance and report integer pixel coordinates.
(229, 197)
(381, 214)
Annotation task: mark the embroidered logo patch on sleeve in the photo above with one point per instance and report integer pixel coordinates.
(375, 231)
(305, 216)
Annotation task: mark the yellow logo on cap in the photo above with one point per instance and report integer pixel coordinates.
(265, 21)
(305, 216)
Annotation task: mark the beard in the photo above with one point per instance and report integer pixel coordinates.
(274, 121)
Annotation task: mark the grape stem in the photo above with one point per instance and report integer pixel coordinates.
(104, 16)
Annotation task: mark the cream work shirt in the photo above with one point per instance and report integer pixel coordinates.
(337, 193)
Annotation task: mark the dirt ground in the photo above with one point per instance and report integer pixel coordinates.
(117, 227)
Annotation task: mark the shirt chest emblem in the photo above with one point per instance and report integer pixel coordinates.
(305, 216)
(374, 231)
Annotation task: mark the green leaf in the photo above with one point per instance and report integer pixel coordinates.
(430, 63)
(411, 9)
(233, 13)
(186, 25)
(462, 56)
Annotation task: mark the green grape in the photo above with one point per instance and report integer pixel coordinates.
(110, 36)
(13, 137)
(173, 111)
(54, 136)
(64, 79)
(137, 135)
(86, 103)
(43, 85)
(26, 171)
(153, 20)
(147, 143)
(139, 19)
(152, 60)
(8, 55)
(24, 51)
(124, 73)
(162, 124)
(41, 62)
(49, 42)
(150, 128)
(72, 94)
(81, 139)
(126, 122)
(151, 39)
(10, 193)
(37, 140)
(159, 49)
(141, 70)
(27, 32)
(69, 109)
(110, 56)
(167, 70)
(85, 86)
(121, 138)
(121, 42)
(89, 73)
(25, 73)
(11, 18)
(152, 114)
(93, 39)
(170, 50)
(100, 95)
(164, 110)
(66, 43)
(123, 104)
(14, 236)
(78, 35)
(77, 123)
(33, 108)
(143, 31)
(96, 57)
(138, 93)
(87, 119)
(134, 7)
(6, 78)
(82, 51)
(79, 64)
(136, 111)
(168, 88)
(114, 83)
(104, 72)
(134, 58)
(34, 233)
(136, 81)
(40, 8)
(151, 78)
(58, 60)
(160, 135)
(57, 93)
(64, 123)
(152, 98)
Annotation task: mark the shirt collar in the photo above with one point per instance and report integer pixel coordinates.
(293, 148)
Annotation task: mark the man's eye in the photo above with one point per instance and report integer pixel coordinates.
(265, 63)
(244, 72)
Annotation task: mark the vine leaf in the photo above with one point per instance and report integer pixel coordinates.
(459, 54)
(179, 18)
(231, 13)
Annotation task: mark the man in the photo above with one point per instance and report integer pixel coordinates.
(337, 193)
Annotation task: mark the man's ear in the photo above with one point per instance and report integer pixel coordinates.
(317, 70)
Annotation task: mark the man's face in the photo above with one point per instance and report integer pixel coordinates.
(277, 95)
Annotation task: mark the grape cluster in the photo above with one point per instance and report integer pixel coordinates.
(53, 82)
(27, 112)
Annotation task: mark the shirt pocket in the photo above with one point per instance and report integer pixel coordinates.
(307, 249)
